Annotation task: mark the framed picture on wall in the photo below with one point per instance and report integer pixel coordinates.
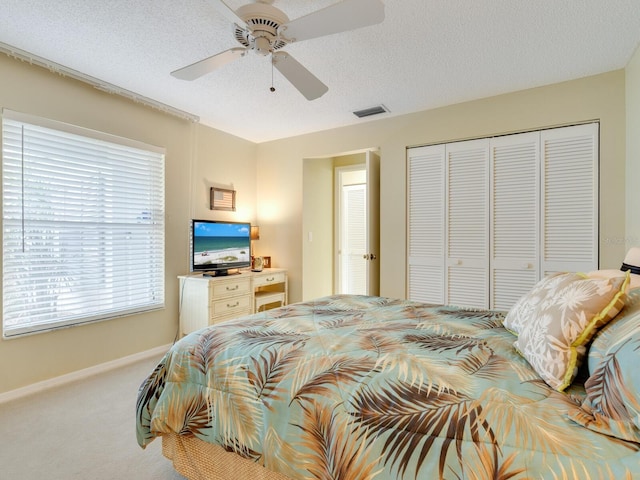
(222, 199)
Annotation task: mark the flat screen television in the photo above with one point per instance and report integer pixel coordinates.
(220, 248)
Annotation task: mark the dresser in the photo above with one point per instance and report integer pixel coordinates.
(205, 301)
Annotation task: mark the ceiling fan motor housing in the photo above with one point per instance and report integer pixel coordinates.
(263, 21)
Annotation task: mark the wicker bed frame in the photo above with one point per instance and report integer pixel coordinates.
(198, 460)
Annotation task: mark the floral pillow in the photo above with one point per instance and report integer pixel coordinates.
(563, 314)
(612, 404)
(522, 311)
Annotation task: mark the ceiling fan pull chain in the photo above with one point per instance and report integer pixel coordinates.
(273, 89)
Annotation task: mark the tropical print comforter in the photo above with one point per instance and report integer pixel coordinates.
(357, 388)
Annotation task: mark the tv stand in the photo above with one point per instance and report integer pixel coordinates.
(205, 299)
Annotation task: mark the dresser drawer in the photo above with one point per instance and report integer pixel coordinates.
(269, 279)
(240, 286)
(230, 306)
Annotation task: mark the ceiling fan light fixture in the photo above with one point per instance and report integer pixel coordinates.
(367, 112)
(262, 46)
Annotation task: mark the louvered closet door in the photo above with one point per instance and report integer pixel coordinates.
(569, 234)
(467, 228)
(425, 208)
(515, 210)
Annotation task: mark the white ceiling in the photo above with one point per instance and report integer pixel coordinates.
(426, 54)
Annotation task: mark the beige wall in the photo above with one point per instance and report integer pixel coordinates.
(224, 161)
(269, 180)
(317, 227)
(632, 84)
(280, 164)
(195, 156)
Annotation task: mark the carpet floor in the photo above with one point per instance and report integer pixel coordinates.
(81, 430)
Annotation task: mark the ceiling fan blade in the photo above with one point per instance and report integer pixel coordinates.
(336, 18)
(301, 78)
(224, 10)
(198, 69)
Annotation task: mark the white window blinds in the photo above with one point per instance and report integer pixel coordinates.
(83, 225)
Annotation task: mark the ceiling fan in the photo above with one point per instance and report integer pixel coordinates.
(264, 29)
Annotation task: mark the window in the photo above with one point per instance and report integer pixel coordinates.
(82, 223)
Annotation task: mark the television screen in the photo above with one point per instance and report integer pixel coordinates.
(218, 246)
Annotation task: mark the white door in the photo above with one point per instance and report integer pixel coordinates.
(372, 253)
(425, 226)
(569, 233)
(515, 212)
(467, 223)
(358, 228)
(352, 266)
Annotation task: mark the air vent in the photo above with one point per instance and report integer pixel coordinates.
(367, 112)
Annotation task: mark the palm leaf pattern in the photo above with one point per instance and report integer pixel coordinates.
(236, 409)
(268, 370)
(283, 456)
(508, 412)
(252, 337)
(417, 418)
(482, 468)
(377, 343)
(148, 396)
(206, 351)
(356, 387)
(190, 415)
(332, 453)
(607, 388)
(346, 319)
(326, 382)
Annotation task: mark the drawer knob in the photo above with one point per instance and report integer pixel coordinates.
(271, 279)
(231, 289)
(229, 305)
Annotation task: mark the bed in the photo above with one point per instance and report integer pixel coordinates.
(359, 387)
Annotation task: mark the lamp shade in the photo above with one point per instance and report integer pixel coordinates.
(255, 232)
(632, 261)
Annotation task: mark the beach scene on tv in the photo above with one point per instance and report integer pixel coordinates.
(216, 243)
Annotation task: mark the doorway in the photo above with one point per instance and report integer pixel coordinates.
(320, 266)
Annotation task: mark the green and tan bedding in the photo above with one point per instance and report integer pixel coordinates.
(357, 387)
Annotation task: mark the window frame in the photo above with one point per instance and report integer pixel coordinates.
(150, 227)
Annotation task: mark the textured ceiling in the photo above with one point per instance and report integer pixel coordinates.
(426, 54)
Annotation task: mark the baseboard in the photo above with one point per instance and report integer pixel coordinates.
(80, 374)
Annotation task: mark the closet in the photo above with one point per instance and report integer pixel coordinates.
(488, 218)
